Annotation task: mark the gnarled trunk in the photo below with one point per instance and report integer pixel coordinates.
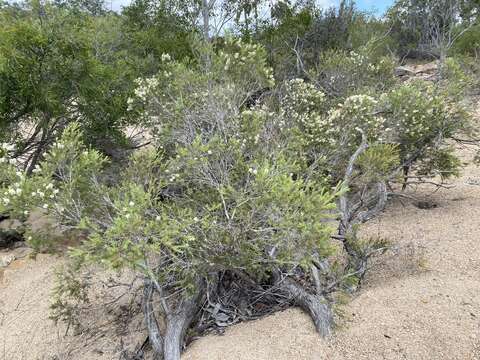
(177, 326)
(317, 306)
(169, 345)
(154, 336)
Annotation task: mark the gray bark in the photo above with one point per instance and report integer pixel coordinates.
(177, 326)
(317, 306)
(169, 345)
(154, 335)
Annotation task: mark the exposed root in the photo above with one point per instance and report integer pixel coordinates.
(317, 306)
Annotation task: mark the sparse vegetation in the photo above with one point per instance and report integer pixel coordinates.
(264, 148)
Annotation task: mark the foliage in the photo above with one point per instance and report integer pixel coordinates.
(301, 33)
(429, 28)
(468, 43)
(255, 155)
(154, 28)
(54, 70)
(403, 123)
(342, 73)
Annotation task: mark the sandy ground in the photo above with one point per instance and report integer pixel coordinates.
(25, 331)
(421, 302)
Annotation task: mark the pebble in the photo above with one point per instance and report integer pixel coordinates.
(6, 260)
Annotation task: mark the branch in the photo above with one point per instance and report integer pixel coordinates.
(344, 206)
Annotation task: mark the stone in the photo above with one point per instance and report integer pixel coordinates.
(404, 71)
(429, 68)
(6, 260)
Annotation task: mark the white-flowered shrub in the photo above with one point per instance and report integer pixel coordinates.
(414, 118)
(238, 189)
(343, 73)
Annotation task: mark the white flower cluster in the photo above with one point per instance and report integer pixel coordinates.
(5, 150)
(246, 55)
(144, 87)
(47, 191)
(358, 112)
(7, 146)
(417, 112)
(58, 145)
(357, 59)
(302, 99)
(304, 105)
(166, 57)
(11, 192)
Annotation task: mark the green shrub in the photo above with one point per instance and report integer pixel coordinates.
(233, 195)
(344, 73)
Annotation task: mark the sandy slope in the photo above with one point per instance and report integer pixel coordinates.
(422, 302)
(25, 330)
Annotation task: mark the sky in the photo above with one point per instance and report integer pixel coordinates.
(379, 6)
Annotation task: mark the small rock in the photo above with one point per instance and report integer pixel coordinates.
(426, 205)
(6, 260)
(404, 71)
(10, 224)
(430, 68)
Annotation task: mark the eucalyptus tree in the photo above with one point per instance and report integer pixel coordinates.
(431, 27)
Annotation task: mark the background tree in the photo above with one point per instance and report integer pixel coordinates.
(55, 69)
(429, 27)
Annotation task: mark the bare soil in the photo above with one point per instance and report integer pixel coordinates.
(420, 301)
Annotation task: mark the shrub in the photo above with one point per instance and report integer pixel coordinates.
(55, 69)
(216, 197)
(343, 73)
(232, 199)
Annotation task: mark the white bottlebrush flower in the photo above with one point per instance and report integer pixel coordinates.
(131, 203)
(45, 206)
(8, 147)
